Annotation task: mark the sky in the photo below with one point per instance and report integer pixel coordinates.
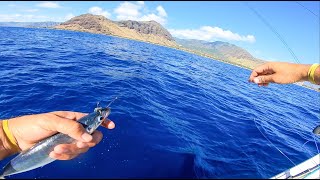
(286, 31)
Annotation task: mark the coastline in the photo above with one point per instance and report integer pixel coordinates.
(184, 50)
(172, 47)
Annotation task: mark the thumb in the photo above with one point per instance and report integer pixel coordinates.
(69, 127)
(263, 79)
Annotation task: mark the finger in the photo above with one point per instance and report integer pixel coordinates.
(62, 156)
(263, 79)
(258, 70)
(70, 149)
(263, 84)
(252, 76)
(108, 124)
(265, 68)
(261, 70)
(66, 126)
(70, 114)
(96, 138)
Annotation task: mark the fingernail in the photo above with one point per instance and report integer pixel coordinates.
(256, 80)
(86, 137)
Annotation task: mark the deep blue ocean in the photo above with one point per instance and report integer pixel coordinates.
(178, 115)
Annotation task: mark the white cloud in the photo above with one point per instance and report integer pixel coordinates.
(23, 18)
(128, 11)
(161, 11)
(69, 16)
(208, 33)
(154, 17)
(48, 5)
(99, 11)
(132, 11)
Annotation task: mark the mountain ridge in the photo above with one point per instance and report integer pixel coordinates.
(153, 32)
(147, 31)
(219, 47)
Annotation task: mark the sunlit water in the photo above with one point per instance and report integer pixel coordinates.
(178, 114)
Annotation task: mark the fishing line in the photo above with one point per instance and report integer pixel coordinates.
(283, 153)
(274, 145)
(273, 30)
(302, 136)
(112, 101)
(308, 10)
(315, 141)
(305, 143)
(307, 151)
(316, 144)
(291, 52)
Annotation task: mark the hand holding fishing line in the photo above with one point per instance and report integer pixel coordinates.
(284, 73)
(27, 130)
(287, 73)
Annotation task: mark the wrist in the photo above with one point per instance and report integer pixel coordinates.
(314, 74)
(6, 147)
(304, 69)
(317, 75)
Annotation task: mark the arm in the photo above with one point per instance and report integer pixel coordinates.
(282, 73)
(30, 129)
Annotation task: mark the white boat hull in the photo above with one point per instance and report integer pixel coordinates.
(309, 169)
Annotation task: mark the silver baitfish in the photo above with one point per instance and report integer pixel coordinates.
(38, 155)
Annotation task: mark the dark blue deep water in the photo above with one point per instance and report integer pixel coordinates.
(178, 114)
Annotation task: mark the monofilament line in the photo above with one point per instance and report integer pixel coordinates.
(274, 145)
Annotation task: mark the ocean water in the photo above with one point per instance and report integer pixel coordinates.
(178, 115)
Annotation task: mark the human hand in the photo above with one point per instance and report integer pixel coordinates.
(279, 72)
(30, 129)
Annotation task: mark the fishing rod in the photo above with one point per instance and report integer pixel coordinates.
(308, 10)
(316, 131)
(273, 30)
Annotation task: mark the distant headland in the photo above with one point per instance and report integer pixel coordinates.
(152, 32)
